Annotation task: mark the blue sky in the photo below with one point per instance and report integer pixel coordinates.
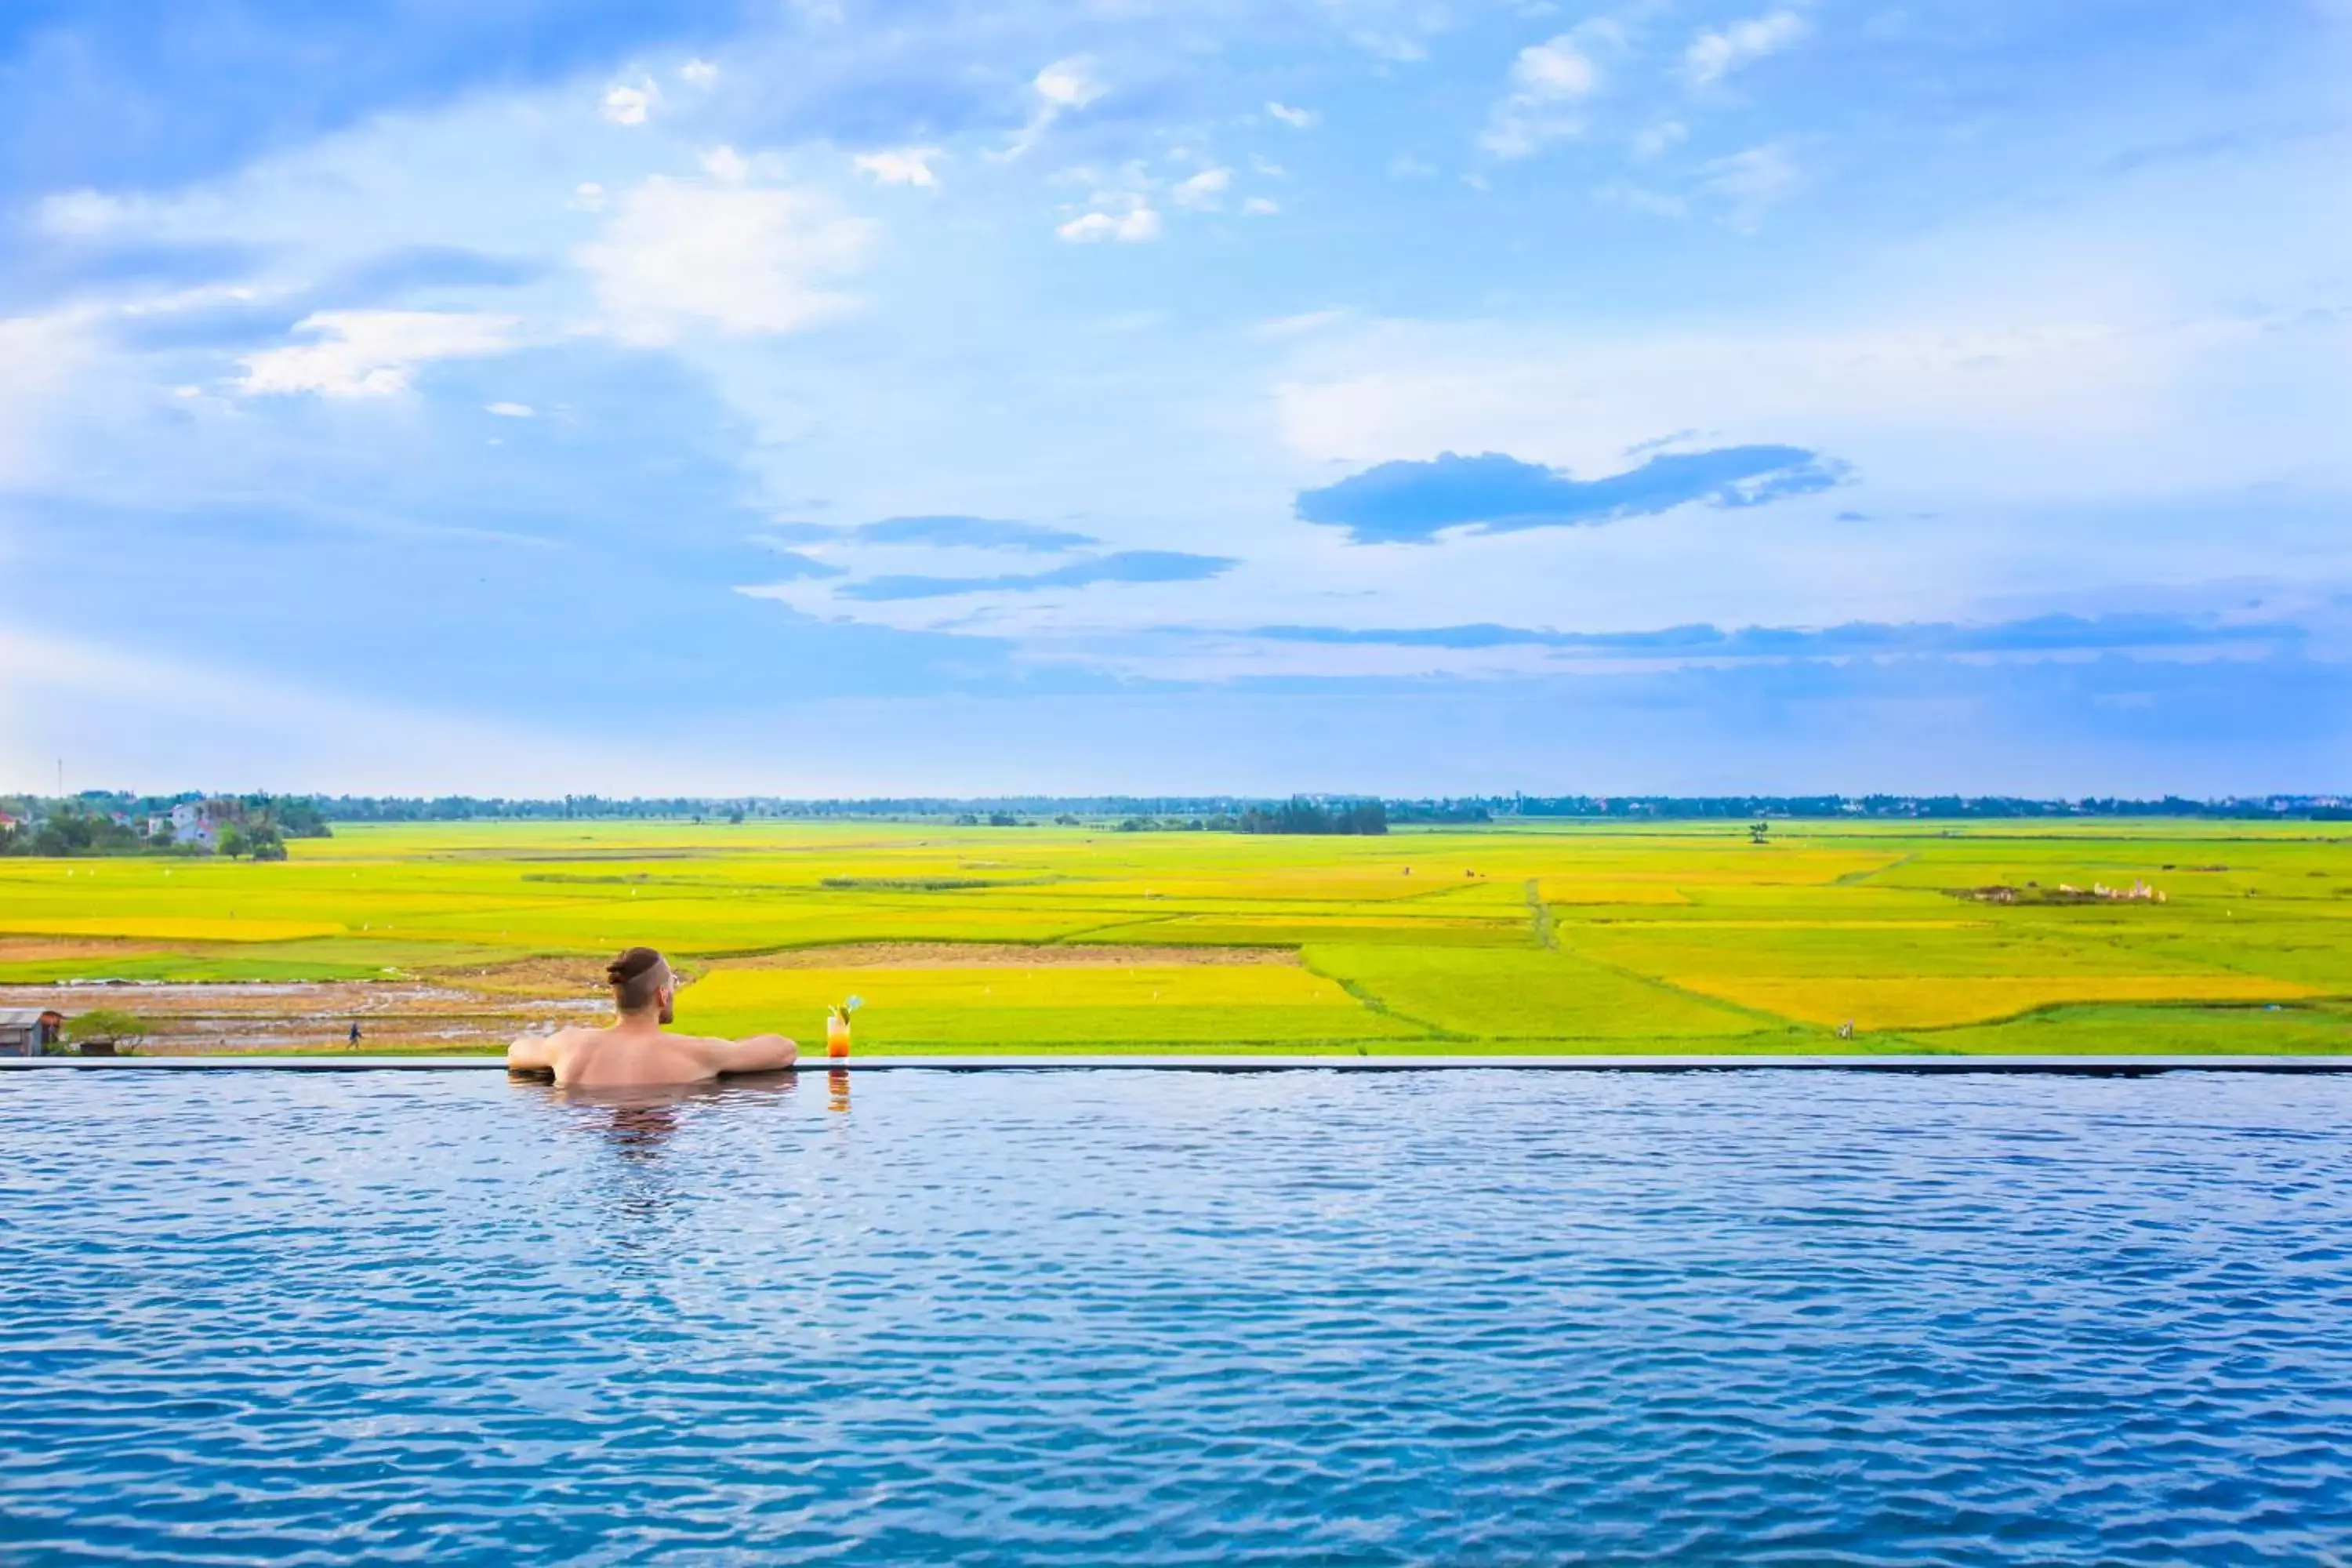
(1382, 395)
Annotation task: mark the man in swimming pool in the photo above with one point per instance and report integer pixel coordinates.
(633, 1050)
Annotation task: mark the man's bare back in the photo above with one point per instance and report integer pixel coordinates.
(635, 1049)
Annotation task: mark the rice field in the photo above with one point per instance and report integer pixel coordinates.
(1518, 937)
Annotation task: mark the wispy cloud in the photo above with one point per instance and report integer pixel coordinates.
(1125, 566)
(1413, 502)
(969, 533)
(1137, 223)
(372, 353)
(1751, 182)
(1716, 54)
(1202, 191)
(738, 257)
(1057, 89)
(906, 167)
(1548, 80)
(313, 312)
(2036, 635)
(1301, 325)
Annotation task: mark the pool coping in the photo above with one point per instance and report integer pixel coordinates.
(2135, 1065)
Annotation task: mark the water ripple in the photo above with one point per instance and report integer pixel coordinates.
(1292, 1319)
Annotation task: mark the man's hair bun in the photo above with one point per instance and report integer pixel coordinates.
(630, 964)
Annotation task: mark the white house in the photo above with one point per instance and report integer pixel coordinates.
(192, 823)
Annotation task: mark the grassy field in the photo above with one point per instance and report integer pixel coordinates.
(1521, 937)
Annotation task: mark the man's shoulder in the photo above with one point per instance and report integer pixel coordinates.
(544, 1049)
(702, 1043)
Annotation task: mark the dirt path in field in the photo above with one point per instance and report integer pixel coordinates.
(393, 1015)
(482, 1008)
(42, 949)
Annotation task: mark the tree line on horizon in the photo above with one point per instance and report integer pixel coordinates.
(105, 822)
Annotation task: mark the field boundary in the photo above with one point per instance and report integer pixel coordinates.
(1776, 1022)
(1547, 927)
(1370, 1003)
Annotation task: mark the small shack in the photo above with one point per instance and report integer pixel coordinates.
(28, 1031)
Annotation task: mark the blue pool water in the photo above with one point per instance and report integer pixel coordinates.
(1172, 1318)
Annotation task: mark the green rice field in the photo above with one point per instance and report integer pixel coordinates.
(1554, 937)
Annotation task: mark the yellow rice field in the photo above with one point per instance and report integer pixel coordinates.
(1522, 936)
(1871, 1003)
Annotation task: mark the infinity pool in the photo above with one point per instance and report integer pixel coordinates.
(1085, 1318)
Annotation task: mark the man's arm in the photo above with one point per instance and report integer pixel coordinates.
(531, 1053)
(760, 1053)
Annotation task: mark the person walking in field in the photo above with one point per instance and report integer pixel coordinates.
(634, 1050)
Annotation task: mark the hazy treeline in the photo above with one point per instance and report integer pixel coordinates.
(106, 822)
(1466, 808)
(1307, 816)
(2321, 808)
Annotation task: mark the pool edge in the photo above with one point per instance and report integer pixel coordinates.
(2074, 1064)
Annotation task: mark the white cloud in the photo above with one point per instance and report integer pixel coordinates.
(1202, 191)
(588, 196)
(1547, 79)
(725, 165)
(1261, 206)
(1121, 204)
(631, 105)
(510, 410)
(906, 167)
(743, 258)
(1135, 223)
(697, 73)
(1750, 181)
(1296, 119)
(1068, 84)
(1712, 55)
(1555, 69)
(370, 354)
(1064, 85)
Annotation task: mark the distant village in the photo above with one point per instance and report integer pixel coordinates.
(239, 827)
